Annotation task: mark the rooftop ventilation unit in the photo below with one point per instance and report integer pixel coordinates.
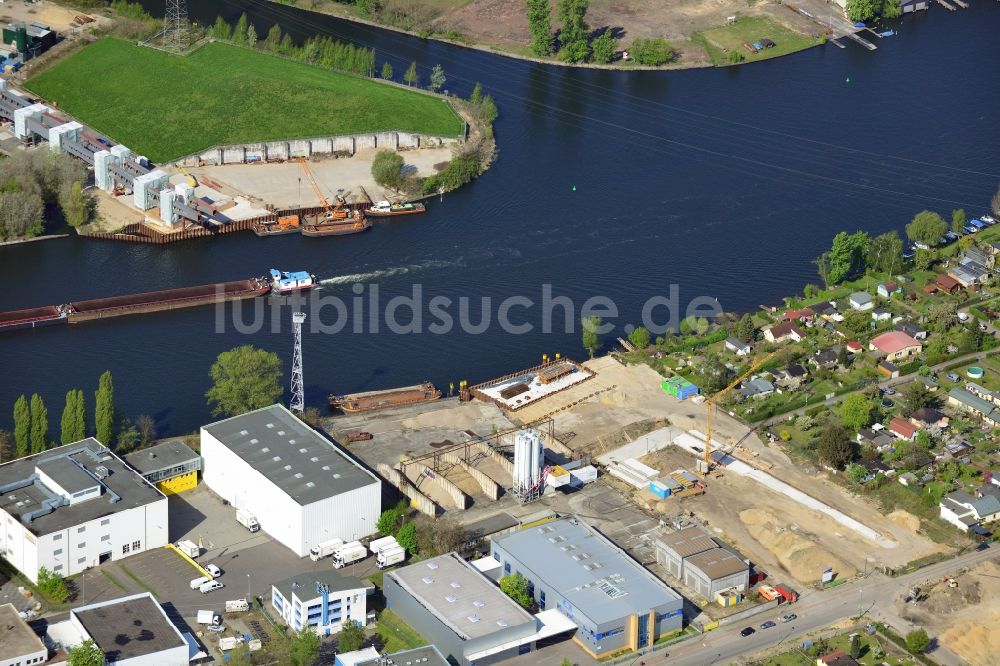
(427, 579)
(451, 598)
(432, 565)
(102, 472)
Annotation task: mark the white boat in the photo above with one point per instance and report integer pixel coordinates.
(286, 283)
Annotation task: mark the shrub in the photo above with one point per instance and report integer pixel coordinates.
(735, 57)
(52, 585)
(652, 52)
(785, 435)
(387, 168)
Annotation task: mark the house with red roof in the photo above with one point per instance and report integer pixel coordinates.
(805, 315)
(903, 429)
(786, 330)
(896, 345)
(853, 346)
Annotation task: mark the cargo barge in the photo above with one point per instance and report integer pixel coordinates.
(167, 299)
(372, 400)
(386, 209)
(325, 226)
(48, 315)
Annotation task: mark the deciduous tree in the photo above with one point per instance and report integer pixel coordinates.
(146, 425)
(639, 337)
(591, 335)
(438, 78)
(85, 654)
(539, 22)
(958, 221)
(67, 425)
(515, 586)
(652, 52)
(221, 29)
(350, 638)
(604, 48)
(835, 446)
(273, 39)
(244, 379)
(927, 227)
(39, 424)
(917, 641)
(411, 74)
(240, 31)
(855, 473)
(574, 33)
(406, 537)
(22, 427)
(863, 10)
(856, 411)
(886, 253)
(915, 396)
(303, 649)
(104, 409)
(387, 70)
(848, 254)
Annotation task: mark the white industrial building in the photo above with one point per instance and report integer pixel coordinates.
(76, 506)
(130, 631)
(323, 600)
(301, 487)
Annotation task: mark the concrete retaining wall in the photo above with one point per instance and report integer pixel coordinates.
(507, 465)
(418, 500)
(283, 150)
(460, 499)
(489, 486)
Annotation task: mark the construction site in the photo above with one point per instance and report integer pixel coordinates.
(647, 451)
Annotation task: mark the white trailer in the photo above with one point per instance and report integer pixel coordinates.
(349, 552)
(389, 556)
(321, 550)
(189, 548)
(237, 606)
(247, 520)
(381, 544)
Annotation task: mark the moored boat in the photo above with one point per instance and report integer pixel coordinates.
(288, 224)
(372, 400)
(386, 209)
(356, 224)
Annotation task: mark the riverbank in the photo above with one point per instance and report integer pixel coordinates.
(699, 33)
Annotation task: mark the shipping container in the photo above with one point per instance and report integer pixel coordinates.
(659, 489)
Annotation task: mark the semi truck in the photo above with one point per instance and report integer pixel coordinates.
(380, 544)
(389, 556)
(247, 520)
(349, 552)
(321, 550)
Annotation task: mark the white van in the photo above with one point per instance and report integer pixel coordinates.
(198, 582)
(210, 586)
(214, 570)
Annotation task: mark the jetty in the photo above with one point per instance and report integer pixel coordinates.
(946, 5)
(861, 40)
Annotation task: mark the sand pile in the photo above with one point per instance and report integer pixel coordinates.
(905, 519)
(802, 557)
(455, 418)
(976, 639)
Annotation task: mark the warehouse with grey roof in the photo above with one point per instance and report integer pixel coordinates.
(302, 488)
(700, 562)
(571, 567)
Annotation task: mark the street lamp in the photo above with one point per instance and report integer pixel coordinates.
(249, 594)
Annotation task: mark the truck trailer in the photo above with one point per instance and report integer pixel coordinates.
(189, 548)
(247, 520)
(349, 552)
(380, 544)
(389, 556)
(321, 550)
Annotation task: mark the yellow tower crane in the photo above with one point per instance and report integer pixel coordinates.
(710, 404)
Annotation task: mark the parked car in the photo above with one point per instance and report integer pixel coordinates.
(983, 546)
(789, 617)
(766, 43)
(214, 570)
(211, 586)
(748, 631)
(767, 625)
(889, 390)
(953, 377)
(887, 404)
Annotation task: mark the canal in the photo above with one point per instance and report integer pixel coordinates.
(724, 183)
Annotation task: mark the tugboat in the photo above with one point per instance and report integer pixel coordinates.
(325, 226)
(287, 283)
(386, 209)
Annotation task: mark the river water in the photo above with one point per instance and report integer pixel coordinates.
(723, 182)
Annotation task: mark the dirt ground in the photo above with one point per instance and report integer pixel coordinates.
(964, 618)
(781, 536)
(58, 18)
(284, 185)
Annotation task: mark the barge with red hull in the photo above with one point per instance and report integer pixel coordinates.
(355, 403)
(167, 299)
(48, 315)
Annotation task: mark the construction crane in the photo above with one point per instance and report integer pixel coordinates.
(332, 212)
(710, 404)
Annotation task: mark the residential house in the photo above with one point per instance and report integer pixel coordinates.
(947, 284)
(967, 512)
(982, 392)
(786, 330)
(902, 428)
(826, 358)
(804, 315)
(973, 404)
(861, 300)
(896, 345)
(915, 331)
(876, 467)
(969, 273)
(908, 479)
(738, 347)
(888, 369)
(838, 658)
(757, 388)
(928, 417)
(982, 257)
(792, 377)
(887, 289)
(881, 314)
(877, 439)
(958, 448)
(854, 347)
(928, 383)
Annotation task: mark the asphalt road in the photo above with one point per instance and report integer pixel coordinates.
(816, 610)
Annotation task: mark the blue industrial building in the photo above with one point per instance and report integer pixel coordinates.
(616, 603)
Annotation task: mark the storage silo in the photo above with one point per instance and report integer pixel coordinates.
(529, 458)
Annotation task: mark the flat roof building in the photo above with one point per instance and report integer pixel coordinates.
(19, 645)
(75, 506)
(700, 562)
(455, 607)
(427, 655)
(573, 568)
(301, 487)
(323, 600)
(170, 466)
(130, 631)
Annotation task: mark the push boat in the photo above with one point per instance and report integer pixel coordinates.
(283, 282)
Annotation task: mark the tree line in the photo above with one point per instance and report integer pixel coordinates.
(110, 428)
(33, 181)
(574, 42)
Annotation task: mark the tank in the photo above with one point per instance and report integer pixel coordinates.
(528, 458)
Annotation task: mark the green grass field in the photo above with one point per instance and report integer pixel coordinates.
(751, 29)
(166, 106)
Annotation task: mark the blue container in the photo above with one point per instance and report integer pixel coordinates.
(659, 489)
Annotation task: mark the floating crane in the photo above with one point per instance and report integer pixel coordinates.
(710, 404)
